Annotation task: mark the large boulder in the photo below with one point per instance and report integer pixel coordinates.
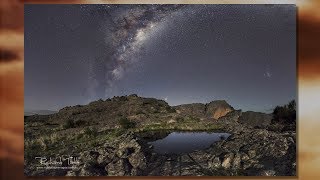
(218, 108)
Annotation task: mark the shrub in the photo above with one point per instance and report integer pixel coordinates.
(149, 101)
(126, 123)
(69, 124)
(285, 114)
(91, 132)
(32, 150)
(123, 98)
(170, 109)
(80, 123)
(75, 113)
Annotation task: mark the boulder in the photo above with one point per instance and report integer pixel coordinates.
(218, 108)
(227, 160)
(172, 121)
(236, 162)
(138, 160)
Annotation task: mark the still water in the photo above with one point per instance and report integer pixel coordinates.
(185, 142)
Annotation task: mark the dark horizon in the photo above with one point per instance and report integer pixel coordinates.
(71, 105)
(244, 54)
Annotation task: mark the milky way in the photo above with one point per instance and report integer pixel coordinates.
(245, 54)
(132, 27)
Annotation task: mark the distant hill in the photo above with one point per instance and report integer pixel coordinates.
(143, 111)
(39, 112)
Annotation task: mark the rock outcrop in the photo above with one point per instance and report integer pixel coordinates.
(214, 109)
(122, 157)
(217, 109)
(247, 152)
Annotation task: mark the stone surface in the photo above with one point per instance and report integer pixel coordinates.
(227, 160)
(218, 108)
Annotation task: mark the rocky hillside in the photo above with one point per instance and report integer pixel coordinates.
(255, 119)
(110, 137)
(138, 109)
(107, 112)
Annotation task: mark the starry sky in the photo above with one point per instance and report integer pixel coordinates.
(244, 54)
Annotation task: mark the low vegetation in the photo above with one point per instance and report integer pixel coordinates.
(76, 142)
(284, 117)
(170, 109)
(69, 124)
(125, 123)
(91, 132)
(285, 114)
(180, 126)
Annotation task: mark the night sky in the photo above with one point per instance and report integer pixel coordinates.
(244, 54)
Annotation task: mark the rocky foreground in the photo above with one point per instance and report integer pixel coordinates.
(255, 147)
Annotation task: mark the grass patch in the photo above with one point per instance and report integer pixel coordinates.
(53, 144)
(182, 126)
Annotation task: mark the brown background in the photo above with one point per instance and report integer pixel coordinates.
(11, 84)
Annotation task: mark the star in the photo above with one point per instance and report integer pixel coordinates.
(267, 74)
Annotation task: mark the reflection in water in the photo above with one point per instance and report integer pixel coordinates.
(185, 142)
